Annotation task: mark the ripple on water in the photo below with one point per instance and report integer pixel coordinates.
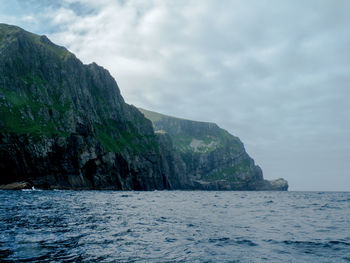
(174, 226)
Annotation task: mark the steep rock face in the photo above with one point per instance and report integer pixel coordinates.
(64, 124)
(213, 158)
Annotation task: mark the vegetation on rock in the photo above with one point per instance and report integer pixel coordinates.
(65, 125)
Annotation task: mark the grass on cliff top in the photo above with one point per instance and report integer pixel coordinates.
(182, 141)
(5, 31)
(9, 33)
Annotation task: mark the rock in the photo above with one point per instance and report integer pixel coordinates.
(65, 125)
(16, 186)
(277, 185)
(212, 158)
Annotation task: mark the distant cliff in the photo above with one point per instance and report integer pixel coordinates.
(64, 125)
(213, 158)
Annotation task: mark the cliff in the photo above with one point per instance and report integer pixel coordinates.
(65, 125)
(214, 159)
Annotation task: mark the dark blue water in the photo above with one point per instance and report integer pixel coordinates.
(174, 226)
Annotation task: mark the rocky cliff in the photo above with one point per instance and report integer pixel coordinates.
(65, 125)
(213, 158)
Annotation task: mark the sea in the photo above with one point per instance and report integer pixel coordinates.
(174, 226)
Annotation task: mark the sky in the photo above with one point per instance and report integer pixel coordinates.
(274, 73)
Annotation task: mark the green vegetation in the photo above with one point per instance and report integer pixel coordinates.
(97, 94)
(61, 52)
(108, 142)
(207, 144)
(204, 138)
(229, 173)
(13, 121)
(10, 33)
(34, 79)
(6, 30)
(182, 143)
(119, 137)
(23, 113)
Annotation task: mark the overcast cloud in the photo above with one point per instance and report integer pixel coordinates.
(274, 73)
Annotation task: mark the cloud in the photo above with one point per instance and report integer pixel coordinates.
(274, 73)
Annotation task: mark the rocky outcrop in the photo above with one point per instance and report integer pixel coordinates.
(16, 186)
(65, 125)
(276, 185)
(213, 158)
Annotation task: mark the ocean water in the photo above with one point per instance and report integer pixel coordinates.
(174, 226)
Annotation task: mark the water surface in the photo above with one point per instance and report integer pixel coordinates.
(174, 226)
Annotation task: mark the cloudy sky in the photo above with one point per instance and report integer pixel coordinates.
(275, 73)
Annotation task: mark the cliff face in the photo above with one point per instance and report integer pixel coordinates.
(65, 125)
(213, 158)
